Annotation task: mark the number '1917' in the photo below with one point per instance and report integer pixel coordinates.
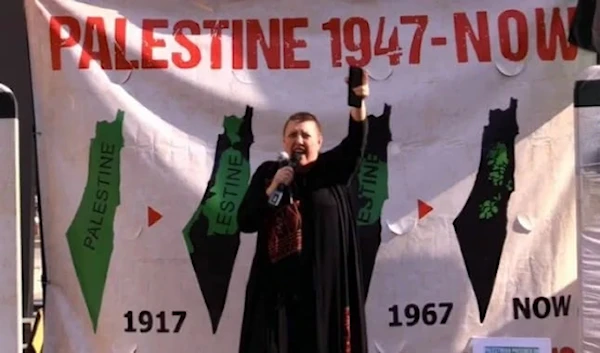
(146, 323)
(430, 314)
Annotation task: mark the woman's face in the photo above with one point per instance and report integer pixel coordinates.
(304, 138)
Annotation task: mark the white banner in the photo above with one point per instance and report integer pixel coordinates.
(154, 115)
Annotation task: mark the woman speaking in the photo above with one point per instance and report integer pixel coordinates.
(304, 293)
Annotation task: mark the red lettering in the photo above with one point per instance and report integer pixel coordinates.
(94, 28)
(522, 35)
(237, 37)
(563, 350)
(271, 51)
(58, 42)
(415, 46)
(121, 62)
(149, 43)
(184, 41)
(334, 26)
(216, 28)
(546, 42)
(291, 43)
(481, 42)
(363, 44)
(393, 47)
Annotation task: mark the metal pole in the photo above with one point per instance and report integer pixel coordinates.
(15, 73)
(11, 313)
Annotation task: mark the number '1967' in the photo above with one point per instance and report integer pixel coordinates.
(430, 314)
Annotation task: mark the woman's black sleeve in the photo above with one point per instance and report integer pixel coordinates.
(344, 159)
(255, 205)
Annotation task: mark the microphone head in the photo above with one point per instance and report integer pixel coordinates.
(296, 159)
(283, 159)
(283, 156)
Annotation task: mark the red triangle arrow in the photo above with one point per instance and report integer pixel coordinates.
(153, 216)
(424, 208)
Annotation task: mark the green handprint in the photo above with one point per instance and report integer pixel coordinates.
(497, 159)
(489, 208)
(496, 177)
(498, 155)
(509, 185)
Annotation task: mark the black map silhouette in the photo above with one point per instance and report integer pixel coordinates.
(213, 255)
(372, 190)
(481, 225)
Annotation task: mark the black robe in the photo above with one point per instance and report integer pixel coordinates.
(300, 305)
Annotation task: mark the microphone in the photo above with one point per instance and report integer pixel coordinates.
(283, 158)
(295, 159)
(284, 161)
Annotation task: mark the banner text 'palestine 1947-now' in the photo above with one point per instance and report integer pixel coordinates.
(279, 43)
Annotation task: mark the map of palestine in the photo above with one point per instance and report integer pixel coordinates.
(91, 233)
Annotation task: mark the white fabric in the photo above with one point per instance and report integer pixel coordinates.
(172, 118)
